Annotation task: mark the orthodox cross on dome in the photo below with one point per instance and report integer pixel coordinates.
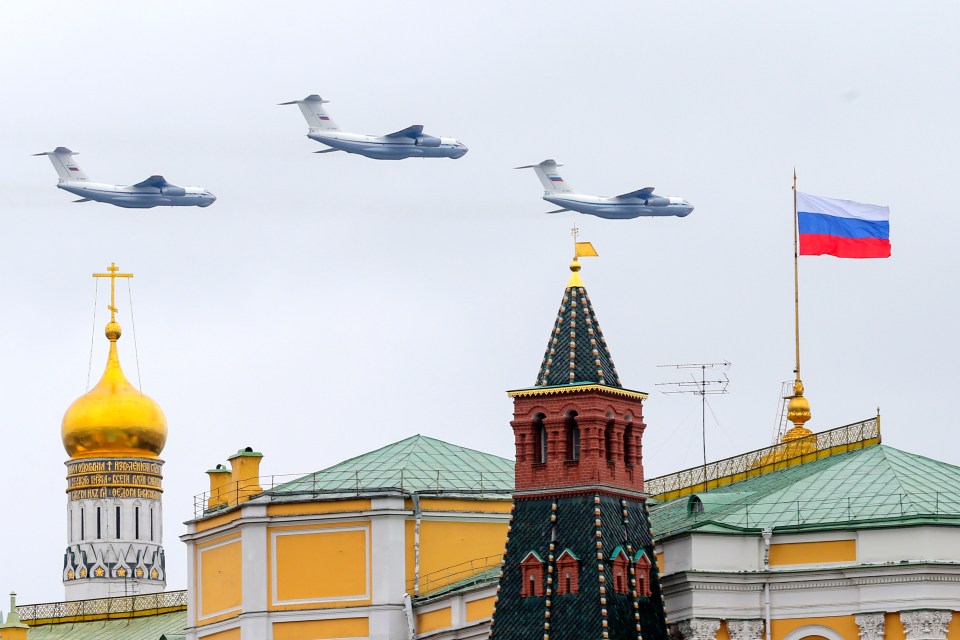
(113, 275)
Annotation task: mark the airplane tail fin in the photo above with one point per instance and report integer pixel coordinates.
(314, 113)
(551, 180)
(62, 160)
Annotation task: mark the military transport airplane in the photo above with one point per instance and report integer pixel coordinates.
(411, 142)
(153, 192)
(643, 202)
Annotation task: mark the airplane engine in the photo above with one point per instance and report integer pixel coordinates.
(173, 191)
(428, 141)
(658, 202)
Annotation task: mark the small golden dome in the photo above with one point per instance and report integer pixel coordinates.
(798, 412)
(114, 418)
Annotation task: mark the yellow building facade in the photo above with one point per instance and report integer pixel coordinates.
(351, 551)
(840, 538)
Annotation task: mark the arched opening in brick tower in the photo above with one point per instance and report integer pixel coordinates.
(539, 439)
(573, 436)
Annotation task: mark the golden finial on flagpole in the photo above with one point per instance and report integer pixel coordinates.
(798, 407)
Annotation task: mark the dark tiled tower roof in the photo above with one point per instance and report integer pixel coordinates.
(577, 352)
(578, 560)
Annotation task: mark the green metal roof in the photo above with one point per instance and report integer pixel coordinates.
(417, 463)
(874, 486)
(155, 627)
(577, 352)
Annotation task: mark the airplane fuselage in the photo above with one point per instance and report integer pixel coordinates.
(389, 148)
(620, 208)
(136, 197)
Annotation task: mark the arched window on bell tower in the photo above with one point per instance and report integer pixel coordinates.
(539, 439)
(573, 436)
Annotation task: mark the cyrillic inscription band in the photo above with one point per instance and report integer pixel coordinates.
(97, 479)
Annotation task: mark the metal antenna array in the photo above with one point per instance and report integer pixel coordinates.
(702, 388)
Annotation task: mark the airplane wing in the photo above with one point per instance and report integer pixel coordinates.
(558, 210)
(154, 181)
(84, 200)
(413, 131)
(640, 193)
(327, 151)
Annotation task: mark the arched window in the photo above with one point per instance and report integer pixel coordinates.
(628, 453)
(573, 437)
(531, 585)
(539, 439)
(608, 441)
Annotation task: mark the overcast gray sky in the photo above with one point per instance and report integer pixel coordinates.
(328, 305)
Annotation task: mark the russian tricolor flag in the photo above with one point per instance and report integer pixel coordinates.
(842, 228)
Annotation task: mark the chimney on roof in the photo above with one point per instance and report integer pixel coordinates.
(245, 473)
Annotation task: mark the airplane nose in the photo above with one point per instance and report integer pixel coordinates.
(208, 199)
(462, 151)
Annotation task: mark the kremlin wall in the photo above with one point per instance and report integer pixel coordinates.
(830, 535)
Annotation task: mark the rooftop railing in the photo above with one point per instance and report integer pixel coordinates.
(102, 608)
(356, 482)
(434, 580)
(773, 458)
(860, 510)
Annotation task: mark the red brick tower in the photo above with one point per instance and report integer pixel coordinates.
(578, 558)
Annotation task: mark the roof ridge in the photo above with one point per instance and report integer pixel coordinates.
(414, 463)
(893, 470)
(366, 453)
(460, 446)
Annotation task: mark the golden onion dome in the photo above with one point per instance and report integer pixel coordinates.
(114, 419)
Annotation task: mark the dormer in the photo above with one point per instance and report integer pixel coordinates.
(532, 568)
(568, 573)
(620, 567)
(641, 567)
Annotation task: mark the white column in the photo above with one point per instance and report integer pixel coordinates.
(745, 629)
(387, 568)
(255, 622)
(871, 625)
(925, 625)
(699, 629)
(192, 590)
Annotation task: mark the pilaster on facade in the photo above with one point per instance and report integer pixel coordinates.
(745, 629)
(871, 625)
(925, 625)
(254, 536)
(698, 629)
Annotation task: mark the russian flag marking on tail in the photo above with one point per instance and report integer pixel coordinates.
(842, 228)
(74, 168)
(556, 179)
